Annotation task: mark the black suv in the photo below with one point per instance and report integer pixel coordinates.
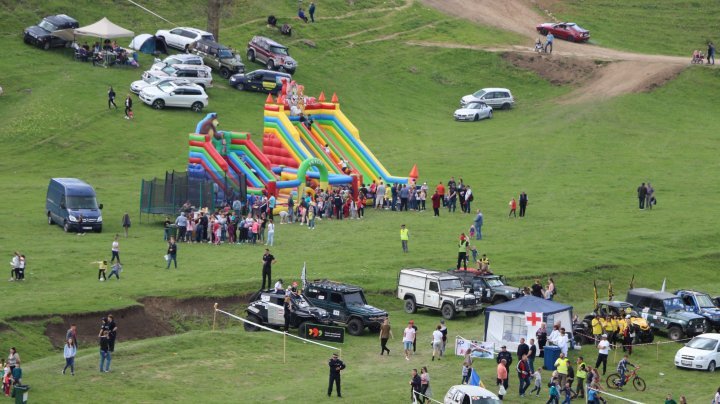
(269, 310)
(346, 305)
(665, 311)
(265, 81)
(218, 57)
(489, 288)
(41, 35)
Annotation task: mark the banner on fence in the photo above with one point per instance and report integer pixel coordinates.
(477, 349)
(327, 333)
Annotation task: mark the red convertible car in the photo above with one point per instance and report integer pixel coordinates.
(564, 30)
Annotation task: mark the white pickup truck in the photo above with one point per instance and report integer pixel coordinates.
(436, 290)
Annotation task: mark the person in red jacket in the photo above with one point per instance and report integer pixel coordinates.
(523, 371)
(513, 207)
(436, 198)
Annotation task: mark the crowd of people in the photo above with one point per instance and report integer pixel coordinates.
(106, 54)
(17, 267)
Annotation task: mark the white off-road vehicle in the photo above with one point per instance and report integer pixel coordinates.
(438, 291)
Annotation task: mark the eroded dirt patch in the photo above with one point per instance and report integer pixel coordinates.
(559, 71)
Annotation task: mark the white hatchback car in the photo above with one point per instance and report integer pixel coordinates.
(474, 111)
(702, 352)
(179, 59)
(182, 37)
(500, 98)
(200, 75)
(171, 94)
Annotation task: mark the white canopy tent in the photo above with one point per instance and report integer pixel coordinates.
(104, 29)
(507, 322)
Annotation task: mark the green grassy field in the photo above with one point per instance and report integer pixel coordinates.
(579, 164)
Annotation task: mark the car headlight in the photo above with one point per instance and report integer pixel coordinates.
(99, 219)
(72, 218)
(459, 302)
(700, 358)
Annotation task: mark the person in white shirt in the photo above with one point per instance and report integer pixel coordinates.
(408, 338)
(115, 250)
(603, 350)
(270, 232)
(562, 341)
(279, 286)
(437, 342)
(552, 338)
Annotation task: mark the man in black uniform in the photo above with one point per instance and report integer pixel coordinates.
(336, 365)
(112, 334)
(504, 354)
(267, 260)
(642, 192)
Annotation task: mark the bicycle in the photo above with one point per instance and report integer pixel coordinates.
(637, 381)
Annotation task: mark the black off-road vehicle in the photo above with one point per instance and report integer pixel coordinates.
(489, 288)
(666, 312)
(41, 35)
(345, 304)
(269, 310)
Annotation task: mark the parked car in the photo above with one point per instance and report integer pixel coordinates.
(438, 291)
(265, 81)
(171, 94)
(665, 312)
(153, 80)
(473, 111)
(179, 59)
(702, 304)
(219, 57)
(72, 204)
(564, 30)
(181, 37)
(615, 308)
(494, 97)
(468, 394)
(272, 54)
(702, 352)
(489, 288)
(269, 310)
(200, 75)
(346, 305)
(41, 35)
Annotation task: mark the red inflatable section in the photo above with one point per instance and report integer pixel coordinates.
(276, 153)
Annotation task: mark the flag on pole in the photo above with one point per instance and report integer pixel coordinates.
(611, 294)
(595, 295)
(632, 282)
(662, 289)
(303, 276)
(474, 378)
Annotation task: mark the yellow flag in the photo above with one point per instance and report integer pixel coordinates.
(611, 295)
(595, 297)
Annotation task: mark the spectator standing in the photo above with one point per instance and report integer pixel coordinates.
(504, 355)
(111, 98)
(415, 386)
(311, 10)
(268, 260)
(711, 53)
(550, 289)
(513, 207)
(641, 193)
(380, 196)
(404, 237)
(469, 197)
(69, 352)
(13, 359)
(502, 377)
(440, 190)
(126, 223)
(537, 289)
(436, 198)
(385, 334)
(478, 225)
(549, 43)
(541, 335)
(603, 350)
(128, 107)
(444, 331)
(171, 255)
(271, 232)
(562, 341)
(522, 349)
(425, 385)
(21, 271)
(404, 195)
(463, 246)
(71, 334)
(15, 266)
(287, 312)
(523, 203)
(409, 338)
(105, 356)
(649, 196)
(336, 366)
(115, 249)
(436, 343)
(580, 375)
(523, 371)
(562, 368)
(17, 375)
(112, 332)
(531, 355)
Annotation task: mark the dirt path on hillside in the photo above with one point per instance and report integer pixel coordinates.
(629, 72)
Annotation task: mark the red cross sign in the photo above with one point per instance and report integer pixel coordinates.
(533, 318)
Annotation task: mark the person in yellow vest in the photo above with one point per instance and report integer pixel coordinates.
(615, 327)
(597, 328)
(404, 237)
(561, 364)
(580, 375)
(608, 328)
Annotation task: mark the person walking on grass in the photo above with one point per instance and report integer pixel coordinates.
(71, 334)
(105, 356)
(128, 107)
(523, 203)
(437, 343)
(115, 249)
(311, 10)
(408, 338)
(711, 53)
(268, 260)
(111, 98)
(641, 193)
(549, 43)
(126, 223)
(404, 237)
(502, 377)
(270, 233)
(14, 266)
(603, 350)
(513, 207)
(115, 270)
(649, 196)
(478, 225)
(69, 352)
(171, 255)
(436, 198)
(415, 387)
(385, 334)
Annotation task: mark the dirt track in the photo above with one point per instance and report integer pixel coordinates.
(629, 72)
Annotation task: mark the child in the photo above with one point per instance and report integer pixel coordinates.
(102, 267)
(471, 233)
(473, 249)
(569, 394)
(116, 269)
(6, 378)
(538, 45)
(554, 394)
(466, 371)
(538, 382)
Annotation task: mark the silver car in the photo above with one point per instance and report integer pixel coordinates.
(500, 98)
(474, 111)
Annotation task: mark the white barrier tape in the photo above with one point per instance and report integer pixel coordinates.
(276, 331)
(592, 337)
(605, 393)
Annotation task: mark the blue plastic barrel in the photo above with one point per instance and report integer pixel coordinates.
(552, 353)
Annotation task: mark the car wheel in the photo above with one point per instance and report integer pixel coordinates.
(355, 327)
(375, 327)
(489, 115)
(225, 73)
(505, 106)
(570, 38)
(447, 311)
(50, 221)
(66, 226)
(270, 65)
(711, 366)
(240, 86)
(251, 55)
(46, 45)
(252, 327)
(410, 306)
(197, 106)
(499, 299)
(302, 329)
(476, 117)
(158, 104)
(675, 333)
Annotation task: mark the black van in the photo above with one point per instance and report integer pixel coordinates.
(71, 203)
(264, 81)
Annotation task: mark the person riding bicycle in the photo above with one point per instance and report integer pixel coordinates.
(622, 368)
